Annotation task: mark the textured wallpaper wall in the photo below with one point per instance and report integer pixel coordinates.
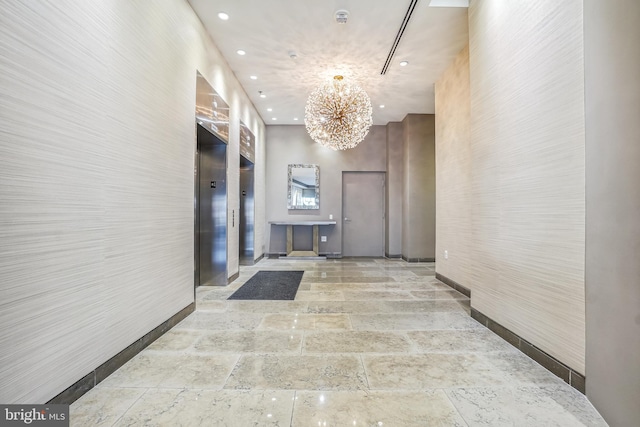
(524, 198)
(96, 180)
(453, 172)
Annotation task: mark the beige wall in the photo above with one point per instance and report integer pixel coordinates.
(97, 180)
(527, 172)
(291, 144)
(418, 187)
(612, 96)
(395, 178)
(453, 172)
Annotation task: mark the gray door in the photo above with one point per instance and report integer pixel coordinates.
(363, 214)
(211, 210)
(246, 218)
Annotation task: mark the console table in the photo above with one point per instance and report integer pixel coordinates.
(302, 254)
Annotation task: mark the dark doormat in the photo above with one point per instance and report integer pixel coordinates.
(270, 285)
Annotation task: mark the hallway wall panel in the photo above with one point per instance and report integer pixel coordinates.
(528, 171)
(453, 172)
(524, 255)
(612, 96)
(97, 180)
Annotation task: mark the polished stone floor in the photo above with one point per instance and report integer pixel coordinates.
(365, 343)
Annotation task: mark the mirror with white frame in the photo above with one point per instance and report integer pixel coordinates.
(304, 187)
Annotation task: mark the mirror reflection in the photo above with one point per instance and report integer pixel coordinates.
(304, 187)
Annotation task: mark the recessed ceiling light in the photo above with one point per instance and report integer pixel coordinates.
(269, 109)
(274, 118)
(262, 95)
(295, 118)
(253, 77)
(241, 52)
(223, 16)
(381, 105)
(404, 63)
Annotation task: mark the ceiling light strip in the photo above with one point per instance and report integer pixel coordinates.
(396, 42)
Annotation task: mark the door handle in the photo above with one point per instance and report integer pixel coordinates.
(346, 219)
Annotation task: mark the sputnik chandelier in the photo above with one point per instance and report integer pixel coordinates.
(338, 114)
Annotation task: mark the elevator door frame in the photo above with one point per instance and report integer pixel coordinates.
(197, 200)
(242, 256)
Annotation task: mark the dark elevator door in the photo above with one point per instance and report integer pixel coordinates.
(246, 218)
(211, 238)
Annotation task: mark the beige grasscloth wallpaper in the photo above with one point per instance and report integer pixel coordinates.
(97, 143)
(511, 181)
(453, 172)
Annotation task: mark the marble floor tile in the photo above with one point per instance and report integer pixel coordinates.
(221, 321)
(266, 306)
(417, 321)
(355, 342)
(522, 406)
(249, 341)
(199, 371)
(192, 408)
(176, 339)
(431, 370)
(366, 340)
(574, 402)
(427, 306)
(326, 372)
(351, 279)
(103, 406)
(405, 286)
(305, 321)
(216, 294)
(347, 307)
(173, 370)
(425, 273)
(331, 273)
(438, 294)
(377, 295)
(212, 306)
(397, 274)
(147, 369)
(520, 369)
(304, 286)
(420, 279)
(319, 296)
(374, 408)
(475, 340)
(391, 269)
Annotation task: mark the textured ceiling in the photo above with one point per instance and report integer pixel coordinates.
(269, 30)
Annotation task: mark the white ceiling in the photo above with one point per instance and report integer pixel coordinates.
(269, 29)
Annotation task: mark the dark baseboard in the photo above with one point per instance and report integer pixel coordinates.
(276, 255)
(93, 378)
(553, 365)
(568, 375)
(392, 256)
(232, 278)
(455, 285)
(408, 259)
(248, 262)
